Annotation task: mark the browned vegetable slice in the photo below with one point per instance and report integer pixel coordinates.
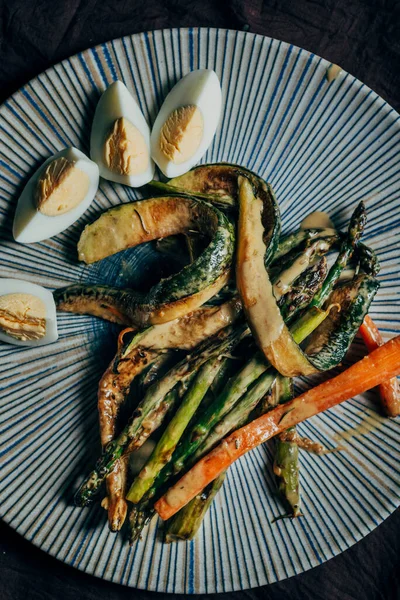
(331, 341)
(129, 225)
(131, 359)
(256, 292)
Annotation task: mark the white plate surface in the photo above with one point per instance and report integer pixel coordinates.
(322, 146)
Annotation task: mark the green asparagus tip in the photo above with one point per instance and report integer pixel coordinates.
(358, 222)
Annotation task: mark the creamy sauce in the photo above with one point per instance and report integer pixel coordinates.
(188, 331)
(318, 220)
(333, 72)
(315, 447)
(259, 302)
(256, 290)
(303, 442)
(115, 502)
(306, 444)
(346, 275)
(293, 498)
(179, 308)
(368, 424)
(138, 459)
(301, 411)
(114, 387)
(286, 278)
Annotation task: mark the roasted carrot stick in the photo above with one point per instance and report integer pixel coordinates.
(388, 390)
(382, 364)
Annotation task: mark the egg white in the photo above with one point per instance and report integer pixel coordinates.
(117, 102)
(17, 286)
(200, 88)
(30, 225)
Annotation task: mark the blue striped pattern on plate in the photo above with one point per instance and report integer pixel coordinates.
(321, 146)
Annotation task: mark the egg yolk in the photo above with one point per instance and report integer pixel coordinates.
(181, 134)
(125, 149)
(61, 187)
(22, 316)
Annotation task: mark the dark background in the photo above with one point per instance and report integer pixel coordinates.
(363, 36)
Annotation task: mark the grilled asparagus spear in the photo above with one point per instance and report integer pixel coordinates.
(156, 401)
(286, 462)
(239, 414)
(355, 231)
(303, 289)
(286, 279)
(236, 389)
(94, 481)
(286, 469)
(294, 240)
(163, 451)
(186, 523)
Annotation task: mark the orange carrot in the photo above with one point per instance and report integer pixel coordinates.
(382, 364)
(388, 390)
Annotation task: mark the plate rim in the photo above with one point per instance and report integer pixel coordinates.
(140, 35)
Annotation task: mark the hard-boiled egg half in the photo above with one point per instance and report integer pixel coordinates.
(187, 121)
(27, 314)
(120, 138)
(55, 196)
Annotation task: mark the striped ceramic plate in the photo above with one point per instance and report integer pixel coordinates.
(321, 145)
